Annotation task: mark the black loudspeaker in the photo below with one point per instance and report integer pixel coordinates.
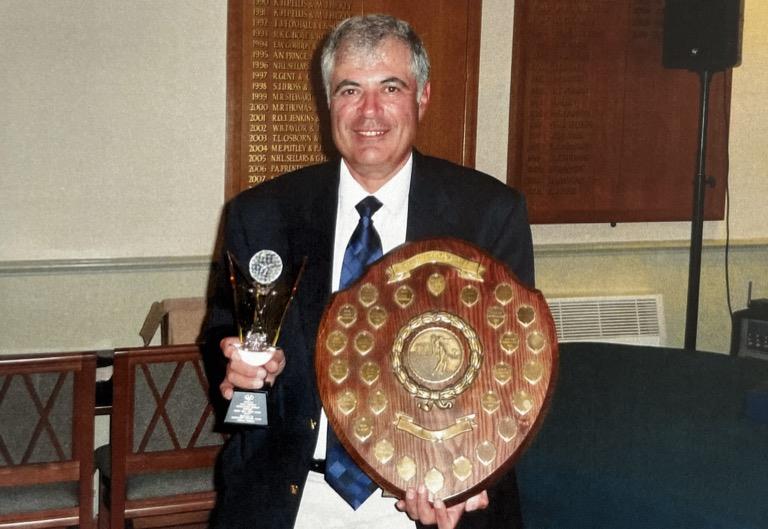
(702, 35)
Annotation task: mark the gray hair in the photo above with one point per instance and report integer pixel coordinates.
(366, 33)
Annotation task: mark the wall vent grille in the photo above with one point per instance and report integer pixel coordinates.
(635, 320)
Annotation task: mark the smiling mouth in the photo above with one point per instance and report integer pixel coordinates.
(371, 133)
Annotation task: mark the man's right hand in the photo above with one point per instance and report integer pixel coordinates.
(246, 376)
(418, 507)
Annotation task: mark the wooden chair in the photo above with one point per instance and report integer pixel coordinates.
(46, 440)
(157, 470)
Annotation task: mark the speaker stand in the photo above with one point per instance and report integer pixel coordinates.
(697, 222)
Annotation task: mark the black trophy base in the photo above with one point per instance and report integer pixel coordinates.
(247, 408)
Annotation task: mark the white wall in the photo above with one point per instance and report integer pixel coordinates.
(112, 116)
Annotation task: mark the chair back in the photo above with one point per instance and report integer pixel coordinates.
(162, 422)
(46, 439)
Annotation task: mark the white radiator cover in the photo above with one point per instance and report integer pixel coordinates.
(637, 320)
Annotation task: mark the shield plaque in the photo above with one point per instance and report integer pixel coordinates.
(435, 368)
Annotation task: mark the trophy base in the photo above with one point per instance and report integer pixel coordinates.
(247, 408)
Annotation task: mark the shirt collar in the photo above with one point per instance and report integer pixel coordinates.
(393, 195)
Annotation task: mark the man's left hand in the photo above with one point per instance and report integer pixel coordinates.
(418, 508)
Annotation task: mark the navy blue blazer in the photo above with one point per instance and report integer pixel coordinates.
(261, 472)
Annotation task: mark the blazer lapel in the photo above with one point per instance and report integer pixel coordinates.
(315, 240)
(320, 225)
(428, 204)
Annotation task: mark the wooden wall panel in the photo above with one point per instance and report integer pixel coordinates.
(599, 130)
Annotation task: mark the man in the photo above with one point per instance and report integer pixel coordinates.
(376, 75)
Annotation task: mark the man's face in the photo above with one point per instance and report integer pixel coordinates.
(374, 111)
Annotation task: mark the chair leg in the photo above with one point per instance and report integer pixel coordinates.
(102, 518)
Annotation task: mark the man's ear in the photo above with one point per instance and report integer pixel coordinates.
(423, 101)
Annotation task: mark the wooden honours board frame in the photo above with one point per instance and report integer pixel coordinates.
(599, 130)
(277, 115)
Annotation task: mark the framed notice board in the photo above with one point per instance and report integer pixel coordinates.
(599, 130)
(277, 116)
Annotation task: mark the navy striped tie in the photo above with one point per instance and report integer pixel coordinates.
(364, 247)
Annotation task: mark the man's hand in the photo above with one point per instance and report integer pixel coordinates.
(418, 507)
(246, 376)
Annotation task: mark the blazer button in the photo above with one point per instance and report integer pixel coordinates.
(294, 489)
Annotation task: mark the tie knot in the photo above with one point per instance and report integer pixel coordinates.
(368, 206)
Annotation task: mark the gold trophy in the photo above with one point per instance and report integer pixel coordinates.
(261, 303)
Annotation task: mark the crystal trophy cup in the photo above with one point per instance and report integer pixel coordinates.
(261, 300)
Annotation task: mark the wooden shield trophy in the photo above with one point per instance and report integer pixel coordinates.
(435, 368)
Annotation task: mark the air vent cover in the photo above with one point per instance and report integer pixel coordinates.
(617, 319)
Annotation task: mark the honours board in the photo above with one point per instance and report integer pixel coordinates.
(599, 130)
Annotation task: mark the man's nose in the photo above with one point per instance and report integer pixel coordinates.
(370, 103)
